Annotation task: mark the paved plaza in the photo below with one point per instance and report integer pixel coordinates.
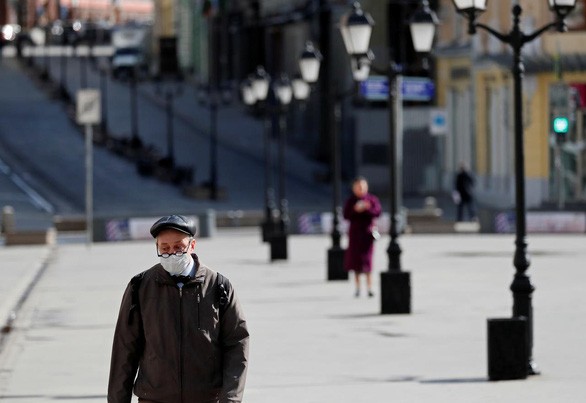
(311, 340)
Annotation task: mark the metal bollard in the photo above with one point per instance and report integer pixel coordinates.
(7, 224)
(207, 224)
(508, 348)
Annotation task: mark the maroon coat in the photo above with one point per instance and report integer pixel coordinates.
(358, 255)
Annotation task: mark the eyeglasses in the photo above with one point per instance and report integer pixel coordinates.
(177, 253)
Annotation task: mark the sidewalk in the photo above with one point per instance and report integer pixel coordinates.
(311, 340)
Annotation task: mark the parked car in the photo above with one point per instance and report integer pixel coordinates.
(129, 61)
(131, 54)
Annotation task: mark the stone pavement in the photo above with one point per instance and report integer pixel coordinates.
(311, 340)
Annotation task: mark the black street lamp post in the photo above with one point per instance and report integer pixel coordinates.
(63, 81)
(256, 90)
(356, 28)
(169, 88)
(46, 49)
(336, 252)
(278, 242)
(103, 69)
(169, 109)
(211, 96)
(214, 147)
(135, 141)
(521, 286)
(82, 60)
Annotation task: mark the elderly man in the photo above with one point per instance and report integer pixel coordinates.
(180, 326)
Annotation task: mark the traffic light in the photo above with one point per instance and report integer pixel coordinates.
(562, 108)
(561, 125)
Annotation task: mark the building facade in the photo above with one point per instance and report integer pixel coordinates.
(475, 86)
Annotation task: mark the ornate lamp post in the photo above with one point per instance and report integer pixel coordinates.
(284, 95)
(335, 254)
(63, 70)
(103, 67)
(169, 86)
(521, 287)
(356, 28)
(135, 141)
(256, 90)
(213, 96)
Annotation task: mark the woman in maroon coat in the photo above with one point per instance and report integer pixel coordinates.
(360, 210)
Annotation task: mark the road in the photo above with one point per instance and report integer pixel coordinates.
(40, 143)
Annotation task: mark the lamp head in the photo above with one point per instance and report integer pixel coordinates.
(356, 28)
(301, 88)
(248, 95)
(309, 63)
(562, 9)
(422, 26)
(283, 90)
(470, 9)
(260, 83)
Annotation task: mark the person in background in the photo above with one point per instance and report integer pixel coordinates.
(361, 209)
(464, 187)
(180, 326)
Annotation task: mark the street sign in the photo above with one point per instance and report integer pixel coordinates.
(438, 122)
(417, 89)
(376, 88)
(88, 107)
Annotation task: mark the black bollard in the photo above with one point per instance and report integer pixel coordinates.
(336, 264)
(507, 349)
(395, 292)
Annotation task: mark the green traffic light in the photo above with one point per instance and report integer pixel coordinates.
(561, 124)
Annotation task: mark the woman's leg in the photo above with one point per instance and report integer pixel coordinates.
(357, 281)
(369, 284)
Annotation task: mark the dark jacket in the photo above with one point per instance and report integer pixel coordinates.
(358, 255)
(176, 341)
(464, 184)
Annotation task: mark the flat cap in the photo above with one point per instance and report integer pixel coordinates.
(176, 222)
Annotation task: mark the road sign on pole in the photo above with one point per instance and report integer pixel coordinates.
(88, 107)
(88, 114)
(438, 122)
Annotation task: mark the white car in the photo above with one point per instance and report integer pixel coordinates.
(129, 61)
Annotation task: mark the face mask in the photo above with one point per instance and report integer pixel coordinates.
(177, 265)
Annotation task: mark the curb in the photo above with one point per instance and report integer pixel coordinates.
(19, 294)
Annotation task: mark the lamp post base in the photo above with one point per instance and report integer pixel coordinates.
(268, 229)
(278, 244)
(507, 349)
(395, 292)
(336, 264)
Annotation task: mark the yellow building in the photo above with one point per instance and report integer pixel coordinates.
(475, 86)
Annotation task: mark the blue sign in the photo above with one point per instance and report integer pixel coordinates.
(376, 88)
(417, 89)
(438, 123)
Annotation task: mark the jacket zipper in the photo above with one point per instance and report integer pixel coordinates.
(198, 301)
(181, 342)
